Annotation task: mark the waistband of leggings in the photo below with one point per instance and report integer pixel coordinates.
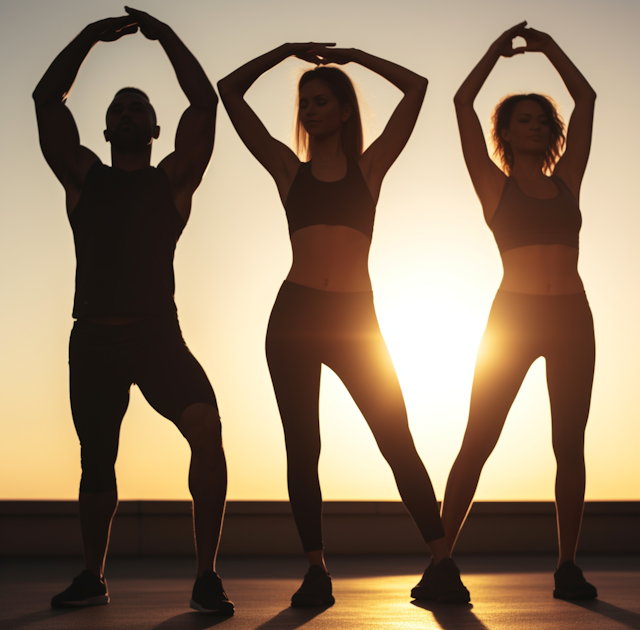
(542, 300)
(139, 325)
(287, 285)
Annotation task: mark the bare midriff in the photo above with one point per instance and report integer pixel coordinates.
(541, 270)
(331, 258)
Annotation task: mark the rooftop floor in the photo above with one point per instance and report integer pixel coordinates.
(372, 592)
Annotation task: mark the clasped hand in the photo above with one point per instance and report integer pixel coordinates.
(112, 29)
(535, 40)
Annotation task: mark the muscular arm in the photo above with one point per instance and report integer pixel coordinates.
(58, 133)
(196, 130)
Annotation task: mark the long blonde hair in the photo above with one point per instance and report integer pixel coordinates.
(342, 88)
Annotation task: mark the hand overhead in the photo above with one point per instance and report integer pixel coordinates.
(149, 26)
(536, 40)
(112, 29)
(504, 43)
(311, 52)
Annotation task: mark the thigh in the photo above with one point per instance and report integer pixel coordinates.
(168, 375)
(358, 355)
(98, 386)
(570, 368)
(364, 365)
(506, 352)
(294, 366)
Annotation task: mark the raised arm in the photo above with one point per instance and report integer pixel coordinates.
(488, 180)
(196, 130)
(378, 158)
(276, 157)
(572, 164)
(59, 137)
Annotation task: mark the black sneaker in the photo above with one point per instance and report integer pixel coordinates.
(87, 589)
(570, 583)
(208, 596)
(441, 582)
(315, 590)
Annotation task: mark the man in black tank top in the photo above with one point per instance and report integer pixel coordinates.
(126, 220)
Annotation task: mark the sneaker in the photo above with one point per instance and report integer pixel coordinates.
(315, 590)
(570, 583)
(208, 596)
(441, 582)
(87, 589)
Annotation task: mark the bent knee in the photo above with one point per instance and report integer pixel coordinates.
(200, 424)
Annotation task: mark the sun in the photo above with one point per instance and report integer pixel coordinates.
(433, 338)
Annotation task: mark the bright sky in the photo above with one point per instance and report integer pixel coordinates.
(434, 264)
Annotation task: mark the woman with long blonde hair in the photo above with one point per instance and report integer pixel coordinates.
(324, 312)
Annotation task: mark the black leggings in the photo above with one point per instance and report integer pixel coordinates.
(104, 361)
(307, 328)
(521, 328)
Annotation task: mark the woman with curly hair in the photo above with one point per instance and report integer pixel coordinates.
(531, 205)
(324, 312)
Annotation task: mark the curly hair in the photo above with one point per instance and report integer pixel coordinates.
(342, 88)
(501, 119)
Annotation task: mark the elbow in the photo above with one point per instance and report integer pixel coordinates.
(212, 99)
(38, 96)
(462, 100)
(422, 84)
(224, 87)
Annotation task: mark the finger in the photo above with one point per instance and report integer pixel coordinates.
(136, 13)
(309, 58)
(516, 29)
(127, 30)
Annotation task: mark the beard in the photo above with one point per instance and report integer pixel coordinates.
(130, 139)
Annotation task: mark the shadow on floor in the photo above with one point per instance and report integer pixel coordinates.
(615, 613)
(191, 621)
(291, 618)
(452, 617)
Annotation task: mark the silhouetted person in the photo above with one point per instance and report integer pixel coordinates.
(324, 312)
(126, 220)
(531, 205)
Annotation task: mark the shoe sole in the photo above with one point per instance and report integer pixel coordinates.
(423, 594)
(429, 596)
(83, 603)
(565, 595)
(225, 610)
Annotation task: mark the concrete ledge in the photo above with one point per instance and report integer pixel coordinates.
(148, 528)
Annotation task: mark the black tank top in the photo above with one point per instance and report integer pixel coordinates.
(125, 229)
(347, 201)
(521, 220)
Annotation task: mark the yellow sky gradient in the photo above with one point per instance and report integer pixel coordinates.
(434, 264)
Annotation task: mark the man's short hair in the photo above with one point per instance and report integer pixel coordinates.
(139, 92)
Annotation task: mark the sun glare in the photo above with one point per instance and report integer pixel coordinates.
(433, 339)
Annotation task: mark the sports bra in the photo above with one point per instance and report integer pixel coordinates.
(347, 201)
(521, 220)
